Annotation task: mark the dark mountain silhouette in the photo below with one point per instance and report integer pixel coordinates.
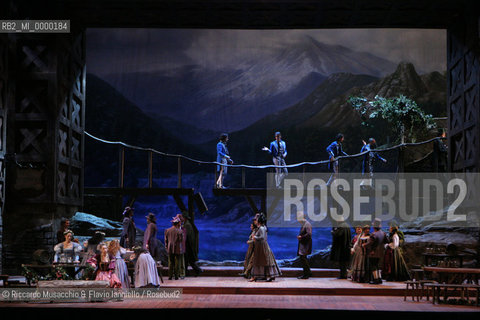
(429, 91)
(111, 116)
(232, 99)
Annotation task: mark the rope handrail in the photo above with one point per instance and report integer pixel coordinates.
(126, 145)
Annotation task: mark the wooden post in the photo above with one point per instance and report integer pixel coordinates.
(150, 169)
(179, 183)
(121, 167)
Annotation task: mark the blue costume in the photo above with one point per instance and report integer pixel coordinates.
(335, 150)
(367, 163)
(279, 151)
(222, 156)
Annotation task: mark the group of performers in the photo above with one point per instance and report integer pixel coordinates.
(278, 150)
(107, 258)
(369, 256)
(359, 257)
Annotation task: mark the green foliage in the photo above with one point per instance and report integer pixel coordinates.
(406, 119)
(57, 273)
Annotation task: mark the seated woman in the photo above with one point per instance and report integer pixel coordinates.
(121, 270)
(67, 251)
(105, 265)
(146, 273)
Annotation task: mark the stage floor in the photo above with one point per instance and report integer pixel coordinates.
(230, 293)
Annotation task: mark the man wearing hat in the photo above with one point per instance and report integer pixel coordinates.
(150, 236)
(129, 232)
(173, 244)
(375, 249)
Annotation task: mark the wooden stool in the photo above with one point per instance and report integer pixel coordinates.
(425, 288)
(415, 287)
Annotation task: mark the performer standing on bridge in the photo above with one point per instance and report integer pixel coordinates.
(224, 158)
(368, 159)
(335, 150)
(278, 149)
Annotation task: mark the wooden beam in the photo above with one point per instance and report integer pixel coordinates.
(140, 191)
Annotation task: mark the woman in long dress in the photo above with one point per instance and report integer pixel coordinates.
(263, 261)
(360, 268)
(121, 269)
(248, 263)
(146, 273)
(394, 266)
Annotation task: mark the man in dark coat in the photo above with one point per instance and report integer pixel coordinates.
(150, 241)
(129, 232)
(341, 245)
(191, 245)
(304, 244)
(375, 250)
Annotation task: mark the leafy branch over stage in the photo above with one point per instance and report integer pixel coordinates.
(406, 119)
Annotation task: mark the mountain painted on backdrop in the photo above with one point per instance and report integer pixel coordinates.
(429, 91)
(310, 125)
(109, 115)
(230, 99)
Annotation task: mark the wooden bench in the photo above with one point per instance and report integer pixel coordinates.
(463, 288)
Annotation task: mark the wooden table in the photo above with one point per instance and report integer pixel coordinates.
(455, 275)
(441, 256)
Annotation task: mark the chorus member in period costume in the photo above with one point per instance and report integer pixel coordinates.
(375, 250)
(368, 160)
(394, 266)
(341, 244)
(121, 270)
(360, 268)
(264, 264)
(248, 263)
(304, 244)
(67, 251)
(173, 244)
(92, 246)
(150, 241)
(105, 267)
(183, 270)
(146, 273)
(224, 158)
(129, 232)
(358, 232)
(335, 150)
(278, 150)
(191, 244)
